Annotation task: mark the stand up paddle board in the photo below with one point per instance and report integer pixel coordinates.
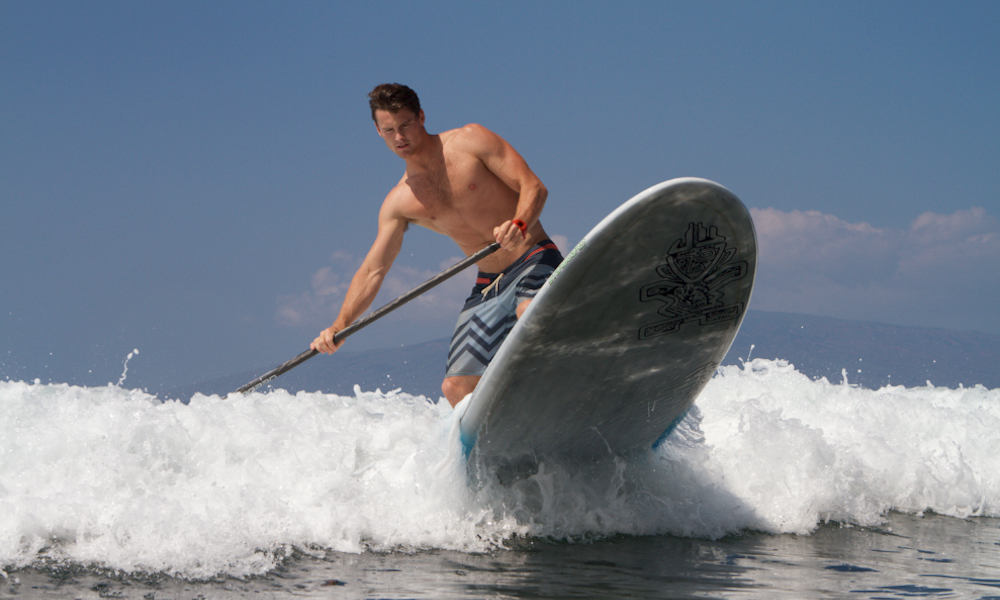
(622, 338)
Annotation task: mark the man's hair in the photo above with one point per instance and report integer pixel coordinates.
(392, 97)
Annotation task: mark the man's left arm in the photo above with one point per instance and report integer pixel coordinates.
(506, 163)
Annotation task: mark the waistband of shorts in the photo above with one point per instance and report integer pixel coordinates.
(541, 246)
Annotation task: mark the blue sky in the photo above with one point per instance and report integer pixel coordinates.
(198, 180)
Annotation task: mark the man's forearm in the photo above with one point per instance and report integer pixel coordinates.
(530, 204)
(360, 295)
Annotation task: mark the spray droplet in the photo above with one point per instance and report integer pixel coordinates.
(125, 372)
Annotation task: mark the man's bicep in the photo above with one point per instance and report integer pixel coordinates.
(388, 242)
(503, 160)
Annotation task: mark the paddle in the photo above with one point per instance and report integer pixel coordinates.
(372, 317)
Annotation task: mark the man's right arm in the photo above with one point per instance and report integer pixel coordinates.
(367, 281)
(510, 167)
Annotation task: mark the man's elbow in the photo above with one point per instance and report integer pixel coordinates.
(372, 275)
(541, 192)
(376, 275)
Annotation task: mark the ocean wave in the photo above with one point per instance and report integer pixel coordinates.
(120, 479)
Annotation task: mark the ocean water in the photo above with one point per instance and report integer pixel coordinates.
(774, 486)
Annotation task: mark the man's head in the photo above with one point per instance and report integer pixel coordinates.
(392, 97)
(398, 118)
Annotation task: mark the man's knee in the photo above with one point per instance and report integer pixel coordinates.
(458, 387)
(523, 306)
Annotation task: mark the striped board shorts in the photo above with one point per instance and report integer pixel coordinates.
(491, 311)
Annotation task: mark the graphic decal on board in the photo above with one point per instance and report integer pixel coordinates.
(698, 266)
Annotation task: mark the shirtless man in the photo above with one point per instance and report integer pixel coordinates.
(472, 186)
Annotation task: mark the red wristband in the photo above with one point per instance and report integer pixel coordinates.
(520, 225)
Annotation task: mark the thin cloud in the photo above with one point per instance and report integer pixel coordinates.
(318, 306)
(329, 285)
(435, 310)
(942, 271)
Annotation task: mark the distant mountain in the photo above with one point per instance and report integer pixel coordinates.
(872, 354)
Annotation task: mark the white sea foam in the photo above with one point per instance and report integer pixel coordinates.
(119, 479)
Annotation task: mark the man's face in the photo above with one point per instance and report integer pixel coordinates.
(402, 131)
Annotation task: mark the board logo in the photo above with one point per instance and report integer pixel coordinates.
(698, 266)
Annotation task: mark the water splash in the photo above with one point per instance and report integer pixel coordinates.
(121, 379)
(119, 478)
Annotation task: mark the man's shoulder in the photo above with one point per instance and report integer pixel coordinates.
(472, 137)
(473, 129)
(399, 193)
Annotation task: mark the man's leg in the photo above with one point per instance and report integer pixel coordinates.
(523, 306)
(457, 387)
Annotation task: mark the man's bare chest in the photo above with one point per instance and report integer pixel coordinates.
(459, 186)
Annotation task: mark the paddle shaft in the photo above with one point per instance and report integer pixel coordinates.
(372, 317)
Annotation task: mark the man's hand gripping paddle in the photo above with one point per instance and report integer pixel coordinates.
(372, 317)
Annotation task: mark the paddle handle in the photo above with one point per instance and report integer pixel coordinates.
(372, 317)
